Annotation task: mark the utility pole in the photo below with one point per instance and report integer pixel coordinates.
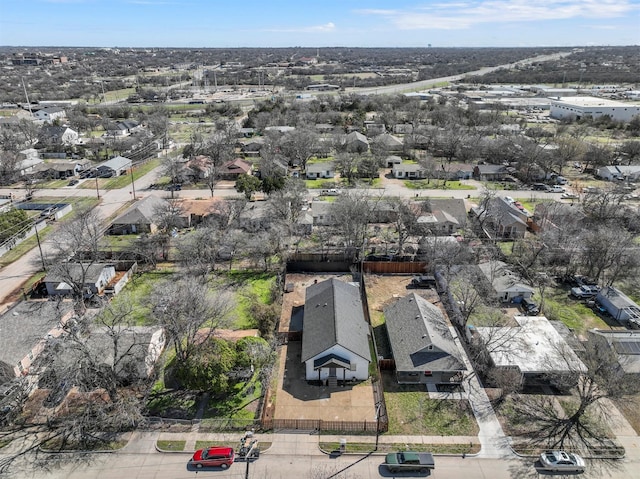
(378, 406)
(97, 190)
(44, 266)
(133, 185)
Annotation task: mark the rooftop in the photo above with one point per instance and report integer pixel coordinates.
(534, 346)
(591, 101)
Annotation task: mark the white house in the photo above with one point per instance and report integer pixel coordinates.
(619, 172)
(413, 171)
(335, 334)
(94, 277)
(49, 114)
(578, 107)
(325, 169)
(534, 348)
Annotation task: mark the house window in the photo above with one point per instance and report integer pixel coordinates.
(353, 366)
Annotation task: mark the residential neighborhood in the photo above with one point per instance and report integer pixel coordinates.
(450, 270)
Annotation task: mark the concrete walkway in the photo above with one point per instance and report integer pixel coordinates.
(492, 438)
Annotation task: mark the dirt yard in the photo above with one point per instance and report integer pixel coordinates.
(383, 290)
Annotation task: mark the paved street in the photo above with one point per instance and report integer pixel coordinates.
(292, 456)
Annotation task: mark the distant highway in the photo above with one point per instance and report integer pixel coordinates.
(413, 86)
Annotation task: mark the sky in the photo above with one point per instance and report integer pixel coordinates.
(319, 23)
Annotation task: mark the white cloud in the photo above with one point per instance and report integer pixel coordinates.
(461, 15)
(327, 27)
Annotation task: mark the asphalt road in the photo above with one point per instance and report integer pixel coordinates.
(174, 466)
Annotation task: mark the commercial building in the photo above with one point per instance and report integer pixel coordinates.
(590, 106)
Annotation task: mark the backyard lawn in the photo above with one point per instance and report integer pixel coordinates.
(574, 313)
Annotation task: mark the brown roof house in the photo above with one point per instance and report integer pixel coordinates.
(231, 170)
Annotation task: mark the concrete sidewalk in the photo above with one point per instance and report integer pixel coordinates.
(302, 443)
(495, 444)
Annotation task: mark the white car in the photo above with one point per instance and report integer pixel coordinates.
(558, 461)
(569, 196)
(557, 189)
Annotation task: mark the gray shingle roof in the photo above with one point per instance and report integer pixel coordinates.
(420, 337)
(141, 212)
(24, 325)
(91, 273)
(333, 315)
(116, 163)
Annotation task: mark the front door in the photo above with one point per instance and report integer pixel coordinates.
(332, 372)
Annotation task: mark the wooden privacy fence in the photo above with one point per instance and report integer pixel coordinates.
(394, 267)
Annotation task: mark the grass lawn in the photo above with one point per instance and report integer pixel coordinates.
(119, 242)
(436, 185)
(125, 180)
(321, 183)
(364, 447)
(575, 314)
(250, 286)
(412, 412)
(172, 404)
(95, 445)
(27, 245)
(506, 247)
(239, 403)
(171, 446)
(630, 408)
(46, 185)
(315, 159)
(138, 290)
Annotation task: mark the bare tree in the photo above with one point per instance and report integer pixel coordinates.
(286, 204)
(198, 251)
(347, 166)
(185, 306)
(98, 370)
(352, 212)
(601, 378)
(76, 251)
(298, 146)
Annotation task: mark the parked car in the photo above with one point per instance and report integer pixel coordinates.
(423, 281)
(216, 456)
(561, 461)
(557, 189)
(529, 307)
(540, 187)
(174, 187)
(569, 196)
(330, 192)
(49, 211)
(73, 182)
(409, 461)
(584, 291)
